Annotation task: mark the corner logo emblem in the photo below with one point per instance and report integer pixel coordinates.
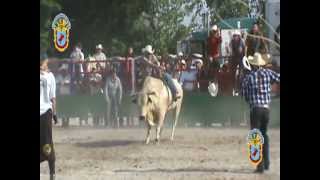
(61, 29)
(255, 142)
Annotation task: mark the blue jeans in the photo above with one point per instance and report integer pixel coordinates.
(169, 81)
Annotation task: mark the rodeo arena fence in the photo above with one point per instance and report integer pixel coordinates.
(80, 97)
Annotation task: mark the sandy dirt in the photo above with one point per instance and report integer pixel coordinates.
(87, 153)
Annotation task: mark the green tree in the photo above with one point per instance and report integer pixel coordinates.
(47, 8)
(223, 9)
(119, 24)
(162, 24)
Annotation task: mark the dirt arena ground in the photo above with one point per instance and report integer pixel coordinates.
(87, 153)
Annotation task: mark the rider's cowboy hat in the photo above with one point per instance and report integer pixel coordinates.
(148, 49)
(256, 60)
(214, 28)
(99, 46)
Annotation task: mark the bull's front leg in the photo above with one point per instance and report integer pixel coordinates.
(159, 127)
(148, 134)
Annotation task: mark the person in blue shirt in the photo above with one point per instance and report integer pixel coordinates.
(256, 89)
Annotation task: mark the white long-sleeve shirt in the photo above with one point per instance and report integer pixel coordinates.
(47, 91)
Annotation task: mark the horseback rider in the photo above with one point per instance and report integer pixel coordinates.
(152, 62)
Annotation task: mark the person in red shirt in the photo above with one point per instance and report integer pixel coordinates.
(128, 69)
(214, 42)
(225, 81)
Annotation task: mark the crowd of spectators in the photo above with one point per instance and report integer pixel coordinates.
(88, 75)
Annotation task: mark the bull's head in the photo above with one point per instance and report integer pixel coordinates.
(145, 102)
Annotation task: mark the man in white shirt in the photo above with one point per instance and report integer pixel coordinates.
(99, 56)
(47, 113)
(188, 78)
(76, 69)
(63, 81)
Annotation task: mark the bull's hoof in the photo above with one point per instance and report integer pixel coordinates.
(157, 141)
(147, 142)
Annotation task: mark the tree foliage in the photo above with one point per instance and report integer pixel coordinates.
(47, 8)
(116, 24)
(223, 9)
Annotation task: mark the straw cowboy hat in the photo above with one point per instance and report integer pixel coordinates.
(148, 49)
(267, 58)
(99, 46)
(214, 28)
(256, 60)
(197, 56)
(213, 89)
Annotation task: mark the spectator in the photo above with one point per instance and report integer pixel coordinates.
(255, 44)
(128, 69)
(178, 69)
(202, 77)
(237, 47)
(100, 56)
(113, 95)
(188, 77)
(214, 42)
(63, 81)
(95, 81)
(180, 57)
(163, 65)
(76, 68)
(225, 81)
(95, 89)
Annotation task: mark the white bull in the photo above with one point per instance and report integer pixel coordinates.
(154, 101)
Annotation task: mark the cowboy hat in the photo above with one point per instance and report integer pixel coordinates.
(266, 57)
(246, 63)
(237, 33)
(197, 56)
(99, 46)
(198, 61)
(183, 62)
(148, 49)
(180, 54)
(256, 60)
(213, 89)
(214, 28)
